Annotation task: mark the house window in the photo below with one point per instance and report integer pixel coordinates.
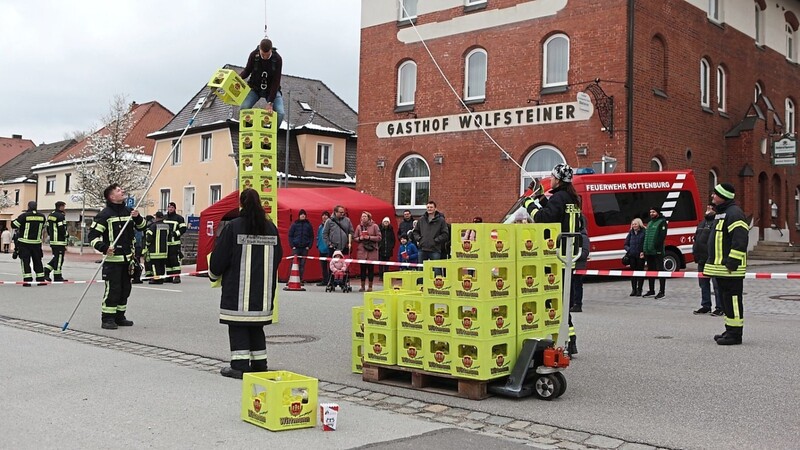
(324, 155)
(408, 9)
(176, 153)
(16, 197)
(215, 193)
(759, 24)
(789, 116)
(721, 86)
(67, 178)
(712, 180)
(475, 75)
(556, 60)
(406, 83)
(199, 104)
(538, 164)
(758, 91)
(658, 61)
(656, 165)
(205, 148)
(789, 42)
(165, 199)
(797, 207)
(715, 10)
(50, 187)
(705, 82)
(412, 183)
(305, 106)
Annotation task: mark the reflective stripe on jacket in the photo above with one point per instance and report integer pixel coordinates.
(727, 243)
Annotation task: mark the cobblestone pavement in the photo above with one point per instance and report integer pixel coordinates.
(528, 433)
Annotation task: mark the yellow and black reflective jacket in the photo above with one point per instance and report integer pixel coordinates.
(156, 238)
(727, 243)
(57, 228)
(29, 227)
(108, 224)
(177, 227)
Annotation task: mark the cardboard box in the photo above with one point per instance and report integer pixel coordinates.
(480, 319)
(484, 359)
(257, 119)
(438, 316)
(482, 242)
(380, 345)
(230, 87)
(380, 309)
(483, 280)
(279, 400)
(328, 414)
(403, 280)
(411, 312)
(411, 349)
(438, 357)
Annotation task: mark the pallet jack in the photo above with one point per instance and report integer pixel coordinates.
(540, 365)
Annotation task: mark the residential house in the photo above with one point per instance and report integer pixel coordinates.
(13, 146)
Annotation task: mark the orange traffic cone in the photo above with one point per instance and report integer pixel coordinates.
(294, 283)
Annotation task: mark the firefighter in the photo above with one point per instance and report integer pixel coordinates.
(29, 226)
(727, 260)
(554, 210)
(57, 230)
(157, 238)
(118, 264)
(177, 229)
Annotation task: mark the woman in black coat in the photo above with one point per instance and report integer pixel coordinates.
(386, 245)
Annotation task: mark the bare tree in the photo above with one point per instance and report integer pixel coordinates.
(5, 200)
(107, 159)
(79, 135)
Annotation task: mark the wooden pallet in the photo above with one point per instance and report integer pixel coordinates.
(440, 383)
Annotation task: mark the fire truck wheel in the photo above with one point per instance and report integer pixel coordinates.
(672, 261)
(563, 380)
(546, 387)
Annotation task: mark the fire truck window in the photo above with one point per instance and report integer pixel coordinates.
(621, 208)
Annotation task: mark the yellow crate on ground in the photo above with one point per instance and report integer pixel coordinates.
(357, 356)
(536, 240)
(438, 355)
(380, 309)
(483, 280)
(411, 312)
(438, 316)
(230, 87)
(482, 241)
(484, 359)
(481, 319)
(357, 322)
(436, 278)
(279, 400)
(258, 141)
(411, 349)
(380, 345)
(403, 280)
(257, 119)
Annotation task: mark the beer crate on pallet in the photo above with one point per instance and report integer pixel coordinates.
(257, 119)
(411, 312)
(481, 319)
(411, 349)
(230, 87)
(536, 241)
(357, 322)
(403, 280)
(482, 242)
(380, 309)
(491, 280)
(436, 278)
(357, 356)
(484, 359)
(438, 355)
(438, 316)
(553, 314)
(380, 345)
(279, 400)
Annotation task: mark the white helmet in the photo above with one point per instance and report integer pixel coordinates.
(563, 172)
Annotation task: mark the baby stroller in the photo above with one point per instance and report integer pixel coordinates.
(338, 267)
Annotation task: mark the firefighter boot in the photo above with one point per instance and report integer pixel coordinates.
(572, 345)
(59, 278)
(121, 321)
(47, 274)
(108, 322)
(732, 336)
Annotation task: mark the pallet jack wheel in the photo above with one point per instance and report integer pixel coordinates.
(547, 387)
(563, 380)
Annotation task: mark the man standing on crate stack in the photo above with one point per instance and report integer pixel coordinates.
(264, 67)
(177, 227)
(57, 230)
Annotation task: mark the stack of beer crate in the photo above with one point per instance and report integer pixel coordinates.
(501, 286)
(258, 157)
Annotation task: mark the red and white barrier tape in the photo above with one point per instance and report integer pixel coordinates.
(360, 261)
(657, 274)
(40, 283)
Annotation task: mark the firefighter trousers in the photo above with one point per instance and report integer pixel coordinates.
(31, 253)
(248, 348)
(118, 288)
(731, 290)
(57, 262)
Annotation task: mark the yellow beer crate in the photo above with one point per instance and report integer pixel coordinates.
(279, 400)
(403, 280)
(357, 356)
(257, 119)
(483, 242)
(380, 345)
(483, 280)
(551, 277)
(257, 164)
(380, 309)
(357, 321)
(267, 183)
(258, 141)
(530, 277)
(436, 281)
(530, 314)
(438, 356)
(411, 312)
(411, 349)
(480, 319)
(536, 240)
(551, 309)
(484, 359)
(230, 87)
(438, 316)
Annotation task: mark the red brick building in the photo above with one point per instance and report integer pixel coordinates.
(713, 83)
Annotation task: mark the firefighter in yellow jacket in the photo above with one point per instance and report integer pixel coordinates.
(57, 231)
(727, 260)
(156, 239)
(178, 228)
(29, 227)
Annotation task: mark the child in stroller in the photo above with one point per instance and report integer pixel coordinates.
(339, 273)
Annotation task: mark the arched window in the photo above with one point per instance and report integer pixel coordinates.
(556, 60)
(789, 116)
(658, 61)
(715, 10)
(475, 75)
(713, 180)
(412, 183)
(760, 6)
(656, 165)
(721, 88)
(538, 164)
(408, 10)
(790, 50)
(758, 91)
(705, 82)
(406, 83)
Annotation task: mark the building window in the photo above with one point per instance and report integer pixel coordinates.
(790, 42)
(758, 91)
(176, 154)
(473, 2)
(705, 82)
(658, 60)
(538, 164)
(67, 178)
(721, 88)
(324, 155)
(50, 186)
(165, 199)
(406, 83)
(215, 193)
(712, 181)
(408, 9)
(556, 60)
(16, 197)
(789, 116)
(205, 147)
(759, 19)
(475, 75)
(797, 207)
(715, 10)
(656, 165)
(412, 183)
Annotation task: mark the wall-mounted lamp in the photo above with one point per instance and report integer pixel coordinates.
(582, 150)
(438, 158)
(381, 163)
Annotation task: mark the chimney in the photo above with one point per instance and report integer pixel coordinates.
(16, 136)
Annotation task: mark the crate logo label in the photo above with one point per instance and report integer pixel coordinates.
(257, 405)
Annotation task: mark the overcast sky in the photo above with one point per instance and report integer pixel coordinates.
(61, 62)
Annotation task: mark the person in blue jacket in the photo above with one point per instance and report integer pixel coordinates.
(301, 238)
(407, 253)
(324, 250)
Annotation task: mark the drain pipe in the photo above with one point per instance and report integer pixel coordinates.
(629, 97)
